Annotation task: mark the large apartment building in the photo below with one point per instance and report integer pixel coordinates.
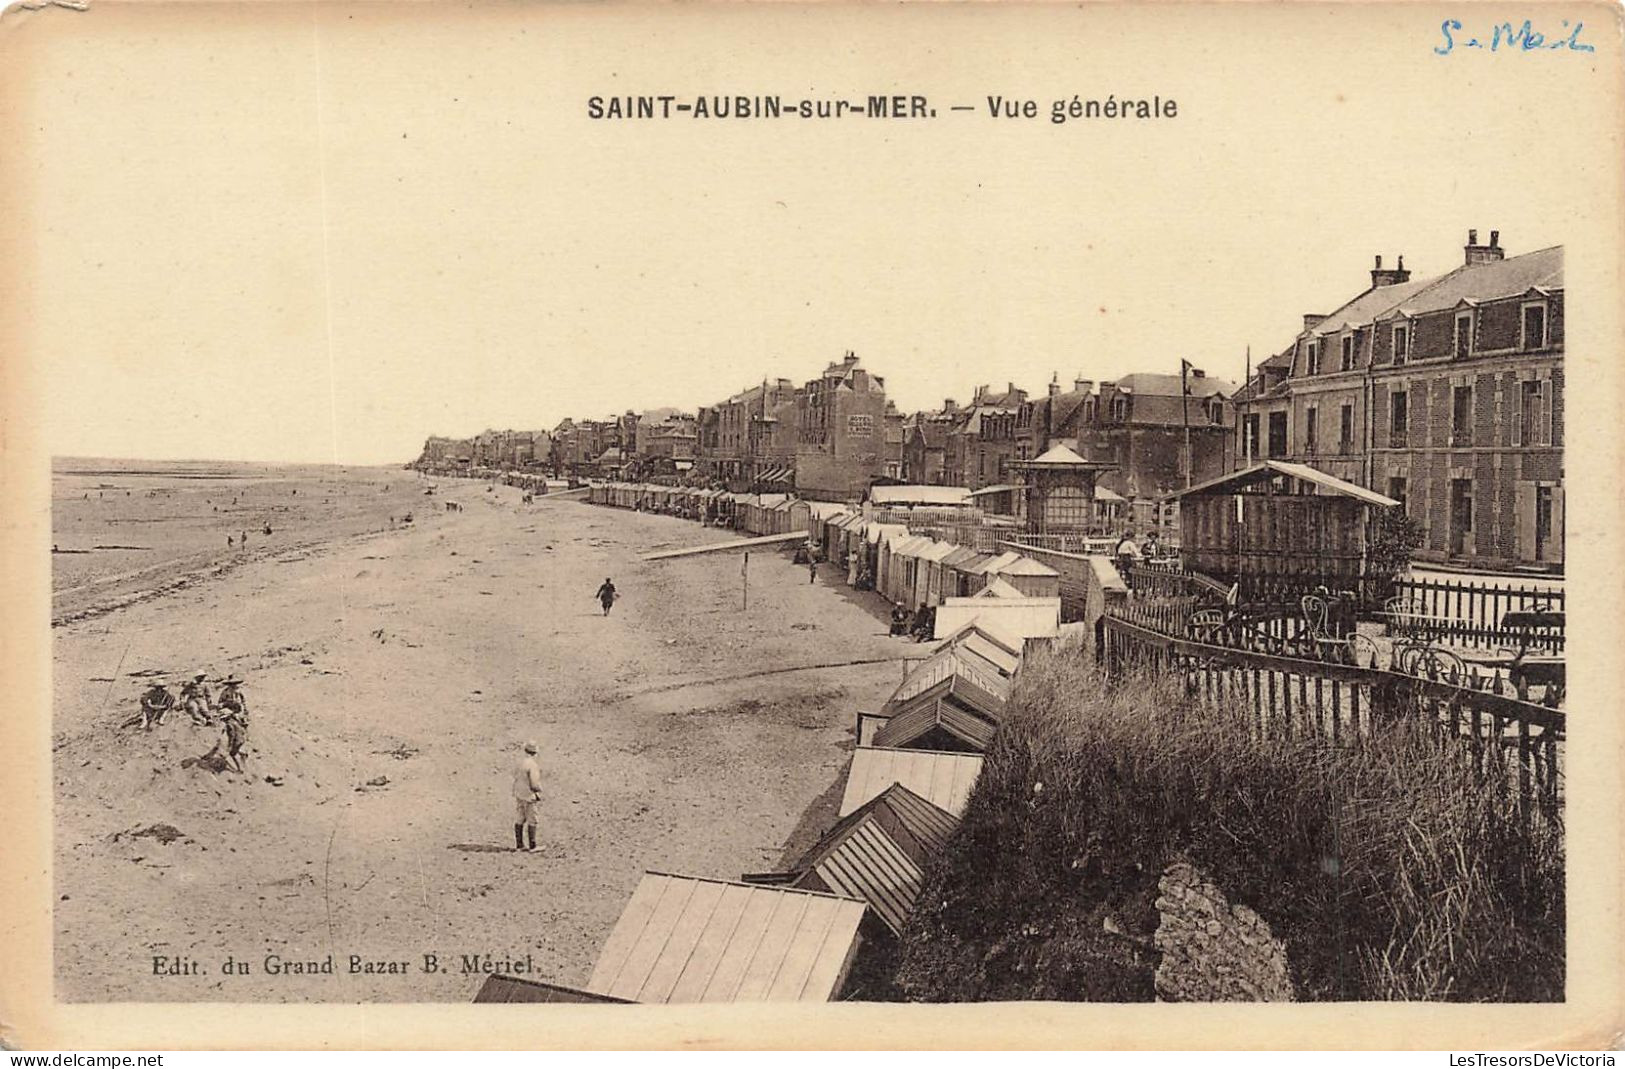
(1445, 393)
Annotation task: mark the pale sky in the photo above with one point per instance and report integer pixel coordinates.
(322, 236)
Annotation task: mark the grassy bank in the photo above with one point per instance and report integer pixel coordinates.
(1391, 868)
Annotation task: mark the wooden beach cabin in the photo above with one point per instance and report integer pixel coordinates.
(688, 939)
(1279, 529)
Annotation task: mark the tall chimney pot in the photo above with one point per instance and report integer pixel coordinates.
(1472, 237)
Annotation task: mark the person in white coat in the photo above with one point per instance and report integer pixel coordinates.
(527, 796)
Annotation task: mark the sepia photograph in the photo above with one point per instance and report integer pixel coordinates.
(855, 506)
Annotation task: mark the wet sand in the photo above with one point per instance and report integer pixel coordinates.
(392, 677)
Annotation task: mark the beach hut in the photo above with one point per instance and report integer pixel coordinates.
(867, 725)
(944, 717)
(1023, 618)
(905, 565)
(953, 576)
(876, 546)
(981, 643)
(943, 779)
(877, 853)
(930, 585)
(688, 939)
(998, 587)
(819, 516)
(979, 576)
(1031, 578)
(951, 659)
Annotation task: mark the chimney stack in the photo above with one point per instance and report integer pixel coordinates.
(1311, 320)
(1082, 385)
(1484, 254)
(1055, 384)
(1391, 276)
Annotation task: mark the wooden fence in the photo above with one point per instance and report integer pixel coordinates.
(1341, 702)
(1472, 613)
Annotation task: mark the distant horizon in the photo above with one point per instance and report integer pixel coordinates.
(60, 458)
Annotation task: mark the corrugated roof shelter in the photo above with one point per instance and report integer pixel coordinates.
(1266, 471)
(878, 853)
(502, 987)
(687, 939)
(1275, 527)
(943, 779)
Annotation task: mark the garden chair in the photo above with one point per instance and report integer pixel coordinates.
(1206, 625)
(1405, 614)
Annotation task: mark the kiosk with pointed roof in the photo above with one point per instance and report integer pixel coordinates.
(1059, 490)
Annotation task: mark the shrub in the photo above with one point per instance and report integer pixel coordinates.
(1391, 867)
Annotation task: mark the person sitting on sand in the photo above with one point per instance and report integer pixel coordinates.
(156, 704)
(527, 797)
(899, 620)
(196, 699)
(231, 696)
(606, 595)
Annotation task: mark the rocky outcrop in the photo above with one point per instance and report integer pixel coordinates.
(1213, 951)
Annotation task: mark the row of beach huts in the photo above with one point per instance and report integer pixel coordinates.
(818, 929)
(912, 570)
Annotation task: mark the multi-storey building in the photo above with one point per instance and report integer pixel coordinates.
(748, 442)
(984, 441)
(841, 444)
(1445, 394)
(1159, 432)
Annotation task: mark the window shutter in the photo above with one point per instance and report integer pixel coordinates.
(1524, 516)
(1545, 416)
(1556, 552)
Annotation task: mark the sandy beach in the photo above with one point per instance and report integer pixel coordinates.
(392, 675)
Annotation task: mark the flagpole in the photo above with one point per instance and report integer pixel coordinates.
(1185, 414)
(1246, 386)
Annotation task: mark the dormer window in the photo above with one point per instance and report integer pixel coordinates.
(1314, 357)
(1215, 412)
(1402, 342)
(1348, 353)
(1120, 408)
(1464, 334)
(1534, 326)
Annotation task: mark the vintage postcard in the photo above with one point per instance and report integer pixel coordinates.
(792, 525)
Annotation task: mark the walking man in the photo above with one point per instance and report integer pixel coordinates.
(812, 567)
(606, 595)
(527, 796)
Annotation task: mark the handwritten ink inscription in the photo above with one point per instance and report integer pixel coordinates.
(1505, 35)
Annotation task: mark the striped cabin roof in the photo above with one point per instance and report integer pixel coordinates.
(944, 779)
(879, 852)
(689, 939)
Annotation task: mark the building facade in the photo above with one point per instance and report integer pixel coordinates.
(1445, 394)
(841, 419)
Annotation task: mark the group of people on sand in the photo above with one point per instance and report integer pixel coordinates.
(920, 626)
(240, 541)
(227, 711)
